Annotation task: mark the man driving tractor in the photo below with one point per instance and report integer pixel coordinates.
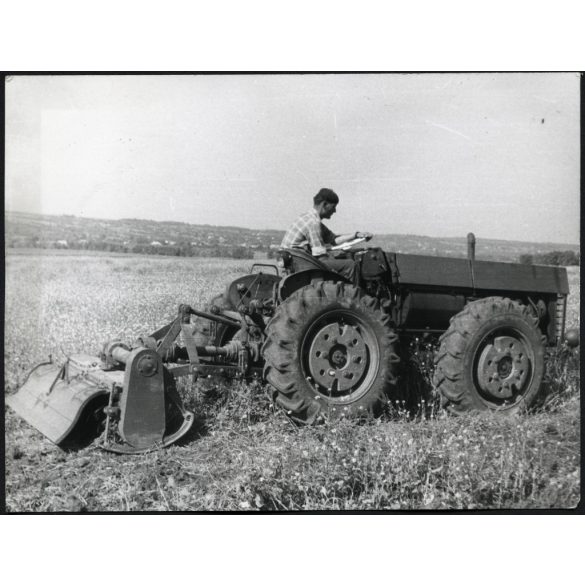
(309, 234)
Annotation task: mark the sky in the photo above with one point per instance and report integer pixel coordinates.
(428, 154)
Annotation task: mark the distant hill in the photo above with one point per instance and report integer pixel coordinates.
(25, 230)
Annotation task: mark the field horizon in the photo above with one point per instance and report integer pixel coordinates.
(46, 231)
(12, 214)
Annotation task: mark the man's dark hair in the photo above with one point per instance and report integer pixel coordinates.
(327, 195)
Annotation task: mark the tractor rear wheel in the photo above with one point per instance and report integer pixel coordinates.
(330, 352)
(490, 358)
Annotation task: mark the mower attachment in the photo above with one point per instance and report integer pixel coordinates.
(137, 409)
(128, 394)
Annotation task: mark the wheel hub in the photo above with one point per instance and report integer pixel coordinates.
(338, 357)
(503, 367)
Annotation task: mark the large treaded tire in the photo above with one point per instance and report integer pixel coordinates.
(490, 358)
(330, 352)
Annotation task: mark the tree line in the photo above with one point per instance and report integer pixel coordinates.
(556, 258)
(181, 249)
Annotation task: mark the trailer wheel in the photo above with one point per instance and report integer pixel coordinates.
(490, 358)
(330, 351)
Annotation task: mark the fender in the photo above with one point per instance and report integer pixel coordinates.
(254, 286)
(298, 280)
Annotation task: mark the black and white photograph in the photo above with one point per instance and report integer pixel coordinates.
(292, 292)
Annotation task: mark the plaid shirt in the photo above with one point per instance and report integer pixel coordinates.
(308, 233)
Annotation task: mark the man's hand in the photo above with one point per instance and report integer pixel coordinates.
(366, 235)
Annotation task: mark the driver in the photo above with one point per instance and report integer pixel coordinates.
(309, 234)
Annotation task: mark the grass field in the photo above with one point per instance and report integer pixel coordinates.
(244, 455)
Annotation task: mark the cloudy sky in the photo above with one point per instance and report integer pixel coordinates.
(436, 155)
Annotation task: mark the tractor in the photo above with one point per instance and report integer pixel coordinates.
(327, 347)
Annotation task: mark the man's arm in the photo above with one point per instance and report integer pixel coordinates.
(349, 237)
(325, 236)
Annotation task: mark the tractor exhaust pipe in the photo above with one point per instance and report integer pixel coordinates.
(471, 257)
(471, 246)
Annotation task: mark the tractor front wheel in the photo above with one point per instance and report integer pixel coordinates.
(490, 358)
(330, 352)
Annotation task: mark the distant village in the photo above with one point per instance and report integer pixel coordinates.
(138, 236)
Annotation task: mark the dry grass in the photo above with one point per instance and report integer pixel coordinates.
(242, 455)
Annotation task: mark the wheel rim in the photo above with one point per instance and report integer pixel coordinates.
(340, 356)
(504, 367)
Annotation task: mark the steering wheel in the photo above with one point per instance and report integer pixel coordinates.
(348, 245)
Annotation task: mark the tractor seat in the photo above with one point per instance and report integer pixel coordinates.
(295, 260)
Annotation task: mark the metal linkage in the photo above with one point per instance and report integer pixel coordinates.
(187, 310)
